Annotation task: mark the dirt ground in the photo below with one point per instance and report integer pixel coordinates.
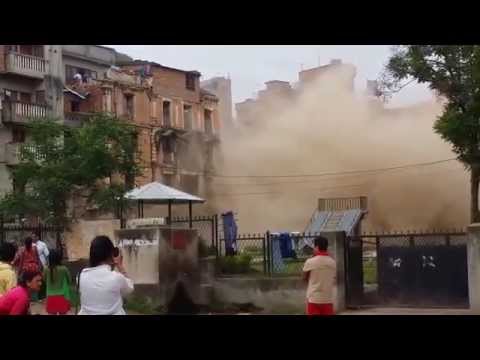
(39, 309)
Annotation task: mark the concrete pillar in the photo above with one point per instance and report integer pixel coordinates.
(473, 256)
(336, 248)
(54, 80)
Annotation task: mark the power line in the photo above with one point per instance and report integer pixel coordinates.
(283, 192)
(337, 173)
(314, 181)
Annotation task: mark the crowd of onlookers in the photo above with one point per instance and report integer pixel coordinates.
(34, 273)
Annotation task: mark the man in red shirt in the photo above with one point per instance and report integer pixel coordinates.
(320, 273)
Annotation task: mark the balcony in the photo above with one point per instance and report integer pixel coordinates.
(13, 153)
(76, 119)
(22, 113)
(27, 65)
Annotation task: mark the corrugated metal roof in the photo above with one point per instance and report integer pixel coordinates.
(161, 194)
(345, 220)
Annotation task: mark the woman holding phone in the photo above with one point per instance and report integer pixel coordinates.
(101, 289)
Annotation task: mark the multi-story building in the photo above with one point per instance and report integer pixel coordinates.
(30, 86)
(279, 94)
(222, 88)
(276, 94)
(178, 122)
(185, 125)
(345, 74)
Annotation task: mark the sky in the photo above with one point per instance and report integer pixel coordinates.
(250, 66)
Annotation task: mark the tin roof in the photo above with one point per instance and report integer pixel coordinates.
(161, 194)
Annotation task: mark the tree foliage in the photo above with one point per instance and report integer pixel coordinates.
(60, 162)
(453, 72)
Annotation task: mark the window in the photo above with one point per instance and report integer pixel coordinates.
(166, 113)
(40, 97)
(87, 74)
(14, 95)
(208, 121)
(129, 105)
(168, 150)
(74, 106)
(31, 50)
(18, 135)
(190, 81)
(187, 117)
(189, 184)
(153, 108)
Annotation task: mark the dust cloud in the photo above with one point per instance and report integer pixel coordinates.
(327, 128)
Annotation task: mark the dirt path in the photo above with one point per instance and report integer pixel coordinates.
(407, 311)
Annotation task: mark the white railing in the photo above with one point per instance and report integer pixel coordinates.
(27, 110)
(27, 62)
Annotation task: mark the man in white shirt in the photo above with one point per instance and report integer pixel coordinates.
(43, 253)
(101, 288)
(42, 248)
(320, 273)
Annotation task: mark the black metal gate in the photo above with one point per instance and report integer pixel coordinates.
(415, 270)
(207, 227)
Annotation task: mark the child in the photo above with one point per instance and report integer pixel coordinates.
(58, 280)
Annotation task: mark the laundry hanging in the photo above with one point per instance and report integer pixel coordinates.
(230, 233)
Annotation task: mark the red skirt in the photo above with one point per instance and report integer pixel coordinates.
(57, 304)
(319, 309)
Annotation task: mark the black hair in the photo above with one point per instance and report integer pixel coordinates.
(38, 233)
(321, 243)
(28, 243)
(7, 252)
(101, 250)
(54, 260)
(27, 276)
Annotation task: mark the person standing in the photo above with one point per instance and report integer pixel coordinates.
(8, 278)
(17, 300)
(320, 273)
(58, 281)
(101, 288)
(43, 253)
(27, 258)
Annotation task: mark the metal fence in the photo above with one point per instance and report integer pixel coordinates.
(53, 236)
(266, 255)
(207, 227)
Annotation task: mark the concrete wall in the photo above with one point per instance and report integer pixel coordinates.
(282, 295)
(160, 257)
(473, 258)
(81, 234)
(222, 88)
(97, 53)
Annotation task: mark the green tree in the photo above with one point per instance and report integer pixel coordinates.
(60, 163)
(453, 72)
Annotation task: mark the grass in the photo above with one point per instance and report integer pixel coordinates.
(370, 271)
(141, 305)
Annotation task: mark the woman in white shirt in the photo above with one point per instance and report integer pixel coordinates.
(101, 289)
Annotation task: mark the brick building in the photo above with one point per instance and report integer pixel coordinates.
(185, 125)
(178, 123)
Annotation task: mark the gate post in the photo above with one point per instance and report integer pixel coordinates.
(337, 249)
(473, 259)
